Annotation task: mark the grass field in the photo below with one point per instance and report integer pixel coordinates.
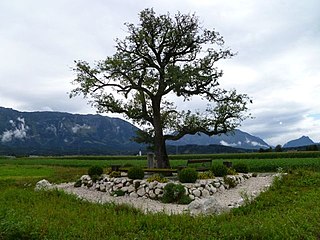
(289, 210)
(254, 164)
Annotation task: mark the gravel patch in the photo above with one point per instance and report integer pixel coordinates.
(230, 198)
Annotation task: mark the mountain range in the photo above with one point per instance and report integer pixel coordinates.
(58, 133)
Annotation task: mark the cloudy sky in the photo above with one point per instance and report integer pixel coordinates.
(278, 61)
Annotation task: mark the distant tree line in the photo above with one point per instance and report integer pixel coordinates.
(279, 148)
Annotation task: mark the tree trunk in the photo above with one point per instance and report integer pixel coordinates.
(161, 156)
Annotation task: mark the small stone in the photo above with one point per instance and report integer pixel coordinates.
(131, 188)
(205, 206)
(152, 195)
(191, 196)
(85, 178)
(153, 184)
(141, 192)
(197, 193)
(205, 193)
(102, 188)
(213, 190)
(134, 195)
(203, 183)
(158, 191)
(216, 184)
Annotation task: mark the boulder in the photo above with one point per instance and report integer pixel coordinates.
(43, 185)
(205, 206)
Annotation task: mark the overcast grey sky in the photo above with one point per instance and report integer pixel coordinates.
(278, 61)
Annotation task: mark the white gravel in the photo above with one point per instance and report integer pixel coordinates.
(228, 198)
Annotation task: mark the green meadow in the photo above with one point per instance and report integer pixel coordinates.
(288, 210)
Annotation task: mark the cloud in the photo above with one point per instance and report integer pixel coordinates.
(19, 132)
(78, 127)
(224, 143)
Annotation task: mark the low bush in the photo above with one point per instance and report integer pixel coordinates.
(188, 175)
(231, 171)
(158, 178)
(135, 173)
(95, 171)
(175, 193)
(241, 167)
(206, 175)
(115, 174)
(219, 170)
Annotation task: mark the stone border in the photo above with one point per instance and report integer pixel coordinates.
(154, 190)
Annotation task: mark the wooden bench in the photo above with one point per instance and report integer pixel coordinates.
(203, 167)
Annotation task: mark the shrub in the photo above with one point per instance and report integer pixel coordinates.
(231, 171)
(135, 173)
(206, 175)
(219, 170)
(108, 170)
(95, 171)
(175, 193)
(158, 178)
(185, 199)
(115, 174)
(241, 167)
(188, 175)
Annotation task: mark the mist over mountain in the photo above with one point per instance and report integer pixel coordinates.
(236, 139)
(64, 133)
(57, 133)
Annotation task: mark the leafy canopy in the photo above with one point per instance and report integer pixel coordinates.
(164, 56)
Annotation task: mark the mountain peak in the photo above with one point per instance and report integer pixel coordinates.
(299, 142)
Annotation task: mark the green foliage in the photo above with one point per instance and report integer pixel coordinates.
(206, 175)
(188, 175)
(175, 193)
(219, 170)
(241, 167)
(115, 174)
(135, 173)
(118, 193)
(164, 55)
(232, 171)
(95, 171)
(278, 148)
(158, 178)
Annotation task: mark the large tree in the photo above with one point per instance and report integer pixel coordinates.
(164, 57)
